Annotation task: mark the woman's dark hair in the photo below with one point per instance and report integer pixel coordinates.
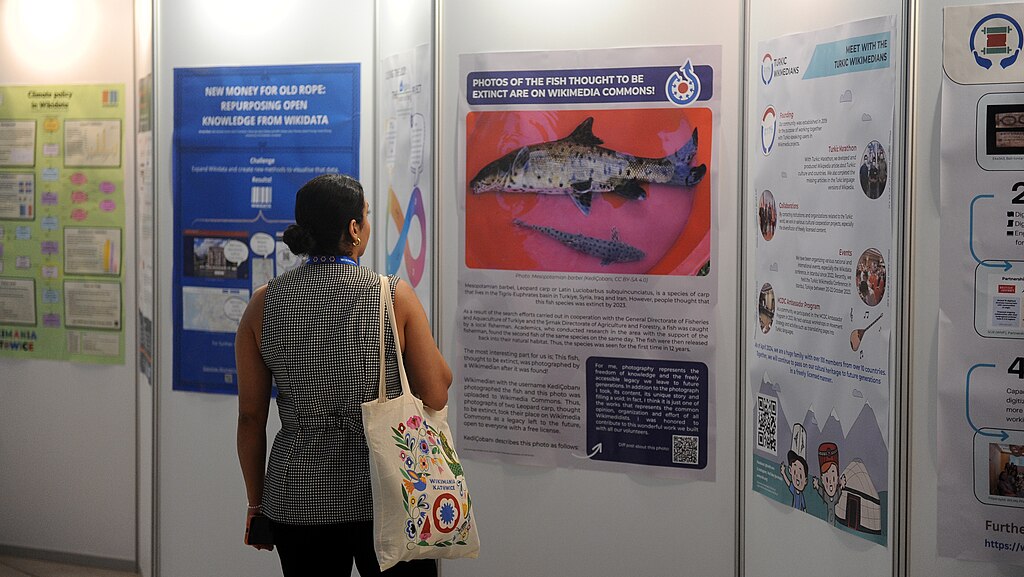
(323, 208)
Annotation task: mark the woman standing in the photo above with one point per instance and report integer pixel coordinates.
(314, 332)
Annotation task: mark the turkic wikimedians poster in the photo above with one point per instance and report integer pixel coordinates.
(821, 214)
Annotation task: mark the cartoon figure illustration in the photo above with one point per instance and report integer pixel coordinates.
(798, 472)
(796, 464)
(830, 486)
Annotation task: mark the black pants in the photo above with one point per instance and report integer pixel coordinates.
(314, 550)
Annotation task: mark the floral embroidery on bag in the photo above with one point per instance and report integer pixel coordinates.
(422, 449)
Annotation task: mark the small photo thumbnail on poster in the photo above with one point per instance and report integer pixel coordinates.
(766, 307)
(767, 215)
(1006, 471)
(216, 254)
(874, 170)
(870, 277)
(1005, 129)
(609, 191)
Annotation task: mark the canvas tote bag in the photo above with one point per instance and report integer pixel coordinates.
(421, 504)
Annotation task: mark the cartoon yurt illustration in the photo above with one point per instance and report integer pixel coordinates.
(859, 507)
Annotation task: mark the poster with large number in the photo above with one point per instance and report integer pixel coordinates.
(406, 146)
(587, 278)
(62, 221)
(822, 205)
(245, 140)
(981, 323)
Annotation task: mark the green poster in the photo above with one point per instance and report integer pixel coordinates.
(62, 221)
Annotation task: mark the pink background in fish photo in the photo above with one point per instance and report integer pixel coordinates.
(672, 225)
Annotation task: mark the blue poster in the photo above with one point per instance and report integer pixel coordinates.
(245, 140)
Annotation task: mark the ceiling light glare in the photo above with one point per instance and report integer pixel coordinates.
(49, 35)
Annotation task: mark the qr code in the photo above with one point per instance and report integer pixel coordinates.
(767, 424)
(685, 450)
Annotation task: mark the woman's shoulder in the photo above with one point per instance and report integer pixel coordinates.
(397, 286)
(348, 278)
(285, 278)
(252, 317)
(367, 275)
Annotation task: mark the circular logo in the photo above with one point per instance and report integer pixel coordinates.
(768, 126)
(446, 513)
(683, 85)
(996, 38)
(767, 69)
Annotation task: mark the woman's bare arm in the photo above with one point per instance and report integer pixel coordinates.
(254, 383)
(429, 374)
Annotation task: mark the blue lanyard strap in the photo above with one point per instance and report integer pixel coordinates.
(341, 259)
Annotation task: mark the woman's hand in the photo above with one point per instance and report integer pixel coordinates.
(252, 512)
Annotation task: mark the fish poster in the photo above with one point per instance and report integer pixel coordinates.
(62, 221)
(406, 121)
(588, 280)
(821, 210)
(246, 138)
(980, 422)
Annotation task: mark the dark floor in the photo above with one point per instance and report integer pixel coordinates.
(21, 567)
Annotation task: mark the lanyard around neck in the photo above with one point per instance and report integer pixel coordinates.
(340, 259)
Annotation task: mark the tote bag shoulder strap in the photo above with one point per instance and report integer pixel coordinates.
(387, 308)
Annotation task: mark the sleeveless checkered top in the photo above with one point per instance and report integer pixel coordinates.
(320, 340)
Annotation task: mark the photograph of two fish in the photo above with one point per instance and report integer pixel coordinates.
(612, 191)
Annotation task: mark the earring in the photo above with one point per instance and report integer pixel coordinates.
(356, 241)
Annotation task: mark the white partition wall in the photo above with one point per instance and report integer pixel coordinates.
(567, 521)
(926, 512)
(199, 491)
(68, 430)
(145, 253)
(779, 540)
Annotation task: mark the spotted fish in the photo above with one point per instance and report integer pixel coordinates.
(608, 251)
(578, 166)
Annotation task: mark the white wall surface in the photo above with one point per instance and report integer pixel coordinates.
(779, 540)
(144, 388)
(67, 430)
(200, 495)
(925, 508)
(543, 521)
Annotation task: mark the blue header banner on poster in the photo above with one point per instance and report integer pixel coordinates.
(590, 85)
(245, 140)
(870, 52)
(310, 106)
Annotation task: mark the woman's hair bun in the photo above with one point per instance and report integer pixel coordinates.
(324, 209)
(298, 239)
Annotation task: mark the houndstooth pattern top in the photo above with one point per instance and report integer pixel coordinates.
(320, 340)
